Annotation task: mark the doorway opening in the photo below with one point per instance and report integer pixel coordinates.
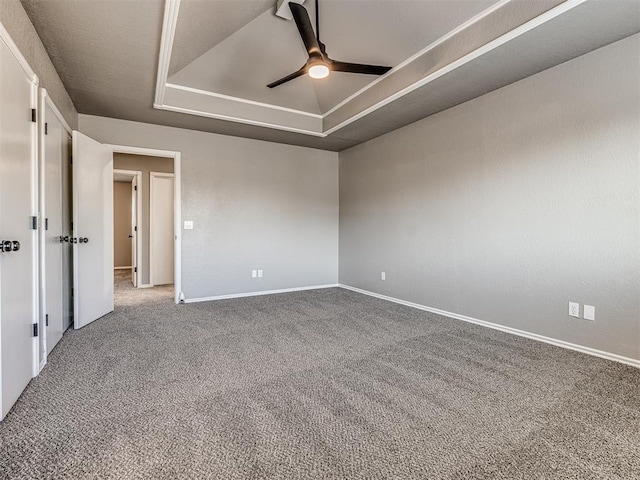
(144, 219)
(127, 210)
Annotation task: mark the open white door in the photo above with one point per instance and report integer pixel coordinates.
(92, 229)
(134, 231)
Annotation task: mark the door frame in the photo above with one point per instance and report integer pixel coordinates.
(153, 175)
(177, 207)
(44, 102)
(136, 174)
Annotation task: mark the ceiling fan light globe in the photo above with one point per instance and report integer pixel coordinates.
(319, 70)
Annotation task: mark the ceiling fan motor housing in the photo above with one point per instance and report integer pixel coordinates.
(318, 65)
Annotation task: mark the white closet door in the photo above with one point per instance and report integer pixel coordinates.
(92, 229)
(51, 193)
(18, 259)
(161, 228)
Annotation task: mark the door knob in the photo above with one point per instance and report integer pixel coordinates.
(83, 240)
(130, 236)
(16, 245)
(73, 240)
(64, 239)
(6, 246)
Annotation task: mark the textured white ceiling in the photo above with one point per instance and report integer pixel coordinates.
(382, 32)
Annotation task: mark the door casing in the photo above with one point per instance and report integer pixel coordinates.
(177, 207)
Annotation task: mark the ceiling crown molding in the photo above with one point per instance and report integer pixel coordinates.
(169, 22)
(477, 43)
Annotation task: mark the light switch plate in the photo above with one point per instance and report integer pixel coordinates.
(188, 225)
(589, 312)
(254, 273)
(259, 273)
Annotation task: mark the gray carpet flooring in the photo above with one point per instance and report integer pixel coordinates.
(313, 385)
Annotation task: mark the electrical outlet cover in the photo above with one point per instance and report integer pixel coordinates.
(574, 309)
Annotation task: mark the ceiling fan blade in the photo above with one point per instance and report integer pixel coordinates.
(297, 74)
(301, 16)
(359, 68)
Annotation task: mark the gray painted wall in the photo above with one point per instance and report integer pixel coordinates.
(509, 206)
(146, 165)
(17, 23)
(121, 224)
(254, 204)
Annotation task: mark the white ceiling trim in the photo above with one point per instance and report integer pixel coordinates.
(417, 55)
(507, 37)
(245, 112)
(171, 12)
(168, 32)
(242, 100)
(201, 113)
(171, 9)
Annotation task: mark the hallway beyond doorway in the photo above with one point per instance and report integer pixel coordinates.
(125, 294)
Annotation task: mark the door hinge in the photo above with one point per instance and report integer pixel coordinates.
(34, 223)
(46, 128)
(136, 188)
(33, 114)
(135, 229)
(35, 329)
(46, 320)
(135, 269)
(70, 159)
(46, 224)
(71, 225)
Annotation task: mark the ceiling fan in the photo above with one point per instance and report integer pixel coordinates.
(319, 65)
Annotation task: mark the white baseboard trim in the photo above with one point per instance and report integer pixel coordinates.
(146, 285)
(255, 294)
(122, 268)
(534, 336)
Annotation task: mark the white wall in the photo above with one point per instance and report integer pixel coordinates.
(254, 204)
(509, 206)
